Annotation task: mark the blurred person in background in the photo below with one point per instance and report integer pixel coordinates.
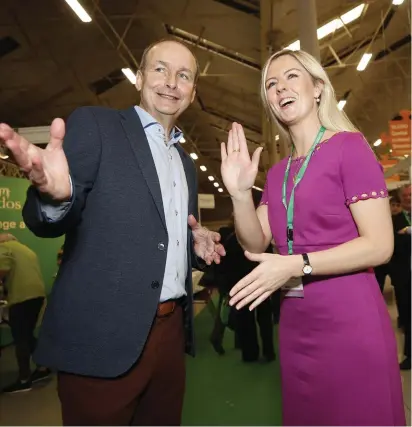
(381, 271)
(400, 269)
(21, 275)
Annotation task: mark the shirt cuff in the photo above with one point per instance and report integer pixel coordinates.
(55, 211)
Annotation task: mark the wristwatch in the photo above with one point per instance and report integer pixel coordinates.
(307, 268)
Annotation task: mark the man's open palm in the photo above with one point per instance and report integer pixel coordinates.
(47, 168)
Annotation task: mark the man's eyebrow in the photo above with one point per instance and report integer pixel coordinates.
(167, 64)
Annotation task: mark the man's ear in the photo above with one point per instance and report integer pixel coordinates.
(139, 80)
(193, 95)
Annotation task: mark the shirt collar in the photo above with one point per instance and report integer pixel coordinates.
(148, 120)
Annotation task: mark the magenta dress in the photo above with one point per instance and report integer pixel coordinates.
(337, 349)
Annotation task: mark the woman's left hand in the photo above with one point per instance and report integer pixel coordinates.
(272, 273)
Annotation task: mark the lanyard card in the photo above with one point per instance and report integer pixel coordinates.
(293, 288)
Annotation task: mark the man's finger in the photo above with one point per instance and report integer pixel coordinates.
(37, 175)
(57, 132)
(194, 225)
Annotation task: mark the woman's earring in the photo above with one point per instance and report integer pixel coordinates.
(318, 100)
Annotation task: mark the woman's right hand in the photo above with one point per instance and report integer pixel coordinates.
(47, 169)
(238, 169)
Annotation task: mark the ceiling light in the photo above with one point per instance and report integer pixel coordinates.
(331, 26)
(390, 150)
(182, 140)
(277, 138)
(220, 190)
(130, 75)
(194, 156)
(377, 142)
(203, 168)
(363, 63)
(341, 104)
(216, 184)
(79, 10)
(210, 178)
(353, 14)
(397, 2)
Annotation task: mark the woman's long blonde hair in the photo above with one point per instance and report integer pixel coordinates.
(328, 112)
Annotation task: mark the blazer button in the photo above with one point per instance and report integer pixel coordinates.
(155, 284)
(161, 246)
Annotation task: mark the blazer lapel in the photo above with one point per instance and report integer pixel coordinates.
(140, 146)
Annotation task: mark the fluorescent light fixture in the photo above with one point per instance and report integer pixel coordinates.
(377, 143)
(182, 140)
(363, 63)
(277, 137)
(216, 184)
(203, 168)
(211, 178)
(130, 75)
(353, 14)
(257, 188)
(341, 104)
(79, 10)
(397, 2)
(331, 26)
(294, 46)
(194, 156)
(220, 190)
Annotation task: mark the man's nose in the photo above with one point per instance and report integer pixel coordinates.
(171, 81)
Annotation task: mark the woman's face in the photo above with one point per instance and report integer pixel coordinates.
(290, 90)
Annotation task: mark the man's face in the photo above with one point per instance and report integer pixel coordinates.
(167, 84)
(395, 208)
(406, 198)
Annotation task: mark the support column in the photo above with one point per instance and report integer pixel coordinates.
(271, 14)
(308, 24)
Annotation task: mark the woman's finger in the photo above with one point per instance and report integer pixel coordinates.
(259, 300)
(247, 300)
(230, 143)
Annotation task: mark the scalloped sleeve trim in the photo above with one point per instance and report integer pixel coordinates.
(365, 196)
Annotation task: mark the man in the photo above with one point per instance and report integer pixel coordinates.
(400, 269)
(21, 274)
(120, 315)
(381, 271)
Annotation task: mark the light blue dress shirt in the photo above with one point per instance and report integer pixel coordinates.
(175, 196)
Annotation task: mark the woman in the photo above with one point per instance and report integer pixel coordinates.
(326, 208)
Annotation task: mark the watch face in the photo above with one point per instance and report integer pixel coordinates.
(307, 269)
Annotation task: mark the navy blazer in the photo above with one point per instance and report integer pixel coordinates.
(108, 286)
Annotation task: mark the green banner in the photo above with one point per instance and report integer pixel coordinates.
(12, 198)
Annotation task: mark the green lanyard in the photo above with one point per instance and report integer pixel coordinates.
(408, 220)
(291, 206)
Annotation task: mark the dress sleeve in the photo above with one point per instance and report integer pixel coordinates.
(361, 173)
(265, 195)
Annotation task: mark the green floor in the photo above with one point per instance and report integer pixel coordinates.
(221, 390)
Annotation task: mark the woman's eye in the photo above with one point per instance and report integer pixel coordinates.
(292, 75)
(159, 69)
(270, 84)
(184, 76)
